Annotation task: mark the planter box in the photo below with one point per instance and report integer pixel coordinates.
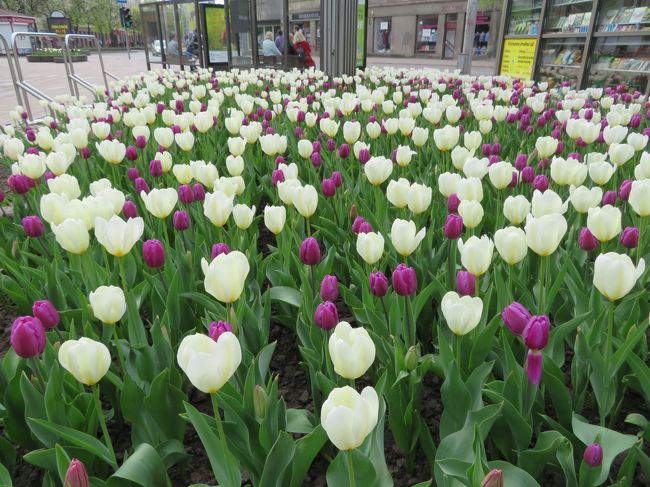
(74, 59)
(33, 58)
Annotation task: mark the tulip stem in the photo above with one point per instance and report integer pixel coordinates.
(120, 263)
(542, 284)
(451, 264)
(351, 479)
(639, 248)
(459, 341)
(222, 436)
(117, 348)
(102, 424)
(383, 305)
(410, 325)
(37, 371)
(608, 353)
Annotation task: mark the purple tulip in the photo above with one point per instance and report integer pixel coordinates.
(356, 225)
(540, 183)
(609, 198)
(344, 151)
(181, 220)
(328, 187)
(277, 176)
(45, 311)
(133, 173)
(310, 251)
(534, 366)
(218, 328)
(535, 333)
(405, 280)
(630, 237)
(453, 202)
(129, 210)
(593, 455)
(315, 158)
(337, 178)
(624, 189)
(365, 227)
(516, 317)
(326, 315)
(198, 191)
(185, 194)
(453, 226)
(219, 248)
(131, 153)
(378, 284)
(141, 185)
(329, 288)
(33, 226)
(141, 142)
(153, 253)
(27, 336)
(521, 162)
(155, 168)
(364, 155)
(528, 175)
(19, 183)
(465, 283)
(76, 476)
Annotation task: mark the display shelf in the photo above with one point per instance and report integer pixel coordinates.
(562, 35)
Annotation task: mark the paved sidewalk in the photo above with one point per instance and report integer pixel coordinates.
(51, 77)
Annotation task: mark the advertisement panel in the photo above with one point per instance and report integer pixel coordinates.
(215, 26)
(361, 33)
(518, 58)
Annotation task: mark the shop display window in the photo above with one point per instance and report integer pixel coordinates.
(623, 15)
(560, 61)
(620, 61)
(568, 16)
(382, 35)
(524, 17)
(426, 34)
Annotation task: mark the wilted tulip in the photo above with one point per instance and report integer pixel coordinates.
(86, 359)
(225, 276)
(349, 417)
(209, 364)
(352, 350)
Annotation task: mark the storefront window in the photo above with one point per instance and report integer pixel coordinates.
(382, 35)
(481, 34)
(450, 35)
(427, 34)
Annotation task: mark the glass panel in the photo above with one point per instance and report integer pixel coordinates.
(561, 60)
(151, 31)
(382, 35)
(217, 40)
(450, 35)
(621, 60)
(170, 44)
(481, 34)
(241, 37)
(568, 16)
(623, 15)
(426, 34)
(524, 17)
(189, 45)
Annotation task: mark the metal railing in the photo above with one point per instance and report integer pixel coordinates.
(12, 69)
(19, 80)
(74, 80)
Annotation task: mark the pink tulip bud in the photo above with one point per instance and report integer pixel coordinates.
(328, 187)
(378, 284)
(404, 280)
(494, 478)
(218, 249)
(310, 251)
(181, 220)
(593, 455)
(27, 336)
(465, 283)
(453, 226)
(326, 315)
(534, 366)
(153, 253)
(630, 237)
(535, 333)
(218, 328)
(516, 317)
(129, 210)
(198, 191)
(33, 226)
(76, 475)
(45, 311)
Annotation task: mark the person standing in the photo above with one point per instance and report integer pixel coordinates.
(303, 50)
(268, 46)
(279, 42)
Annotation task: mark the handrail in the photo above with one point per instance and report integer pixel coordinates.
(20, 81)
(74, 79)
(12, 69)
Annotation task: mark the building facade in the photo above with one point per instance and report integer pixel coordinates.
(430, 28)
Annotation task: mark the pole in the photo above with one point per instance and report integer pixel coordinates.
(126, 36)
(465, 59)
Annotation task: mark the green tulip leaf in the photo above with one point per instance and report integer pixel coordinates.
(144, 467)
(340, 471)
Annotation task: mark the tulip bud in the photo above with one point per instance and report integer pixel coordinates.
(131, 153)
(453, 202)
(310, 251)
(630, 237)
(153, 253)
(329, 288)
(277, 176)
(453, 226)
(344, 151)
(260, 399)
(129, 210)
(465, 283)
(219, 248)
(404, 280)
(133, 173)
(593, 455)
(33, 226)
(365, 227)
(185, 194)
(76, 475)
(27, 336)
(198, 191)
(326, 315)
(364, 155)
(181, 220)
(217, 328)
(494, 478)
(516, 317)
(609, 198)
(328, 187)
(624, 189)
(19, 183)
(141, 141)
(528, 175)
(46, 313)
(378, 284)
(155, 168)
(535, 333)
(141, 185)
(586, 240)
(521, 162)
(337, 178)
(356, 224)
(540, 183)
(534, 366)
(411, 359)
(315, 158)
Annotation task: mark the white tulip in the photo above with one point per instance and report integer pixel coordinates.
(108, 304)
(225, 276)
(349, 417)
(462, 314)
(351, 349)
(87, 360)
(404, 237)
(511, 244)
(476, 254)
(370, 246)
(615, 274)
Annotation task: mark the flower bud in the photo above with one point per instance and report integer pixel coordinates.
(465, 283)
(624, 189)
(326, 315)
(609, 198)
(129, 210)
(310, 251)
(453, 202)
(329, 288)
(328, 187)
(33, 226)
(46, 313)
(535, 333)
(337, 178)
(198, 191)
(277, 176)
(630, 237)
(593, 455)
(534, 366)
(19, 183)
(404, 280)
(412, 358)
(185, 194)
(540, 183)
(494, 478)
(453, 226)
(141, 185)
(133, 173)
(528, 175)
(131, 153)
(27, 336)
(153, 253)
(378, 284)
(181, 220)
(218, 249)
(586, 240)
(76, 475)
(516, 317)
(356, 224)
(217, 328)
(260, 399)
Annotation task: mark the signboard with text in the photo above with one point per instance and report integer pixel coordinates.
(518, 58)
(215, 26)
(59, 25)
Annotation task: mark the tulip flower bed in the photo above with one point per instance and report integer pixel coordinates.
(454, 268)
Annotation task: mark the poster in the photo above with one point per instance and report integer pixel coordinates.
(361, 33)
(215, 25)
(518, 58)
(59, 25)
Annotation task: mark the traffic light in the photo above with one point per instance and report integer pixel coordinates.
(125, 17)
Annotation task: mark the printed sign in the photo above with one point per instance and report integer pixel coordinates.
(361, 34)
(518, 58)
(215, 24)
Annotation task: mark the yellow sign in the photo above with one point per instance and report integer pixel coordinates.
(518, 58)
